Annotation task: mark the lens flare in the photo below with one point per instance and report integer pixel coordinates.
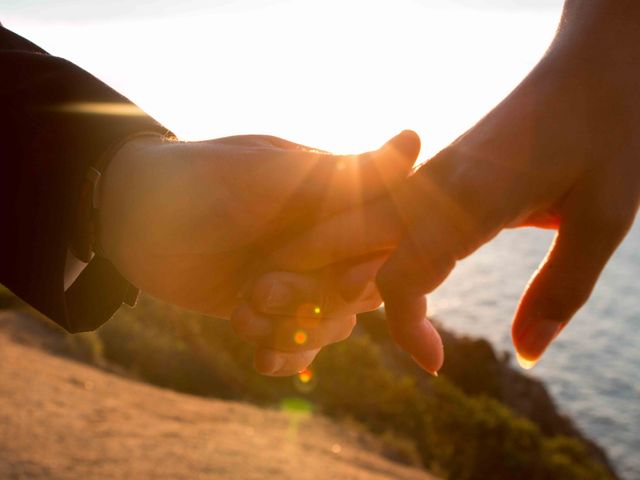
(305, 375)
(300, 337)
(316, 310)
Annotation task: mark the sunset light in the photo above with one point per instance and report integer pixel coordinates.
(225, 251)
(342, 76)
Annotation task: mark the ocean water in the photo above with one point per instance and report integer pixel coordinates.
(593, 367)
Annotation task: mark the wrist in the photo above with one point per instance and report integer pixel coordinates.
(602, 35)
(117, 179)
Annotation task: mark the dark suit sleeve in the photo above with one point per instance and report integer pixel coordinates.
(45, 151)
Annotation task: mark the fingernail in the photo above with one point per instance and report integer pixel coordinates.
(425, 346)
(433, 373)
(279, 296)
(524, 363)
(534, 339)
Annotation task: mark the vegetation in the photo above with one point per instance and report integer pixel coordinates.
(420, 420)
(456, 430)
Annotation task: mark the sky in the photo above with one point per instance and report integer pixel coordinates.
(338, 75)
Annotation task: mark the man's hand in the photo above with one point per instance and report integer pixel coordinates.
(191, 223)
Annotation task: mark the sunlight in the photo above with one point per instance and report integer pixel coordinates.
(342, 76)
(524, 363)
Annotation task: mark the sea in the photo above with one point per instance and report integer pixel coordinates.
(593, 368)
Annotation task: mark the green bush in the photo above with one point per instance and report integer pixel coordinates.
(187, 352)
(456, 435)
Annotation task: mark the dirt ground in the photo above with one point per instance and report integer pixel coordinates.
(60, 419)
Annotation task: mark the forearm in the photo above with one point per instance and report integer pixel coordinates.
(605, 33)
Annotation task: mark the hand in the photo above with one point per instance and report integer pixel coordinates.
(290, 316)
(373, 230)
(190, 223)
(560, 152)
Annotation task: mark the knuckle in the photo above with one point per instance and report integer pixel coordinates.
(418, 271)
(430, 271)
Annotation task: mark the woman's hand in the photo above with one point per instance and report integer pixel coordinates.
(191, 223)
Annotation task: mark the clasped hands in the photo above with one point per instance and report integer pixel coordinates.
(290, 242)
(229, 228)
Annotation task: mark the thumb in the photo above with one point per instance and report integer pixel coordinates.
(340, 182)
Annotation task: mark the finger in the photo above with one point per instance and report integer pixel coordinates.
(564, 282)
(450, 208)
(405, 307)
(445, 191)
(421, 262)
(275, 363)
(342, 289)
(290, 334)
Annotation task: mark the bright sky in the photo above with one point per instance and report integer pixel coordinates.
(335, 74)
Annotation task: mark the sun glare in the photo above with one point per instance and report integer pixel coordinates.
(341, 76)
(300, 337)
(101, 108)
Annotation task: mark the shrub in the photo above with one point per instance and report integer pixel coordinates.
(87, 347)
(456, 435)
